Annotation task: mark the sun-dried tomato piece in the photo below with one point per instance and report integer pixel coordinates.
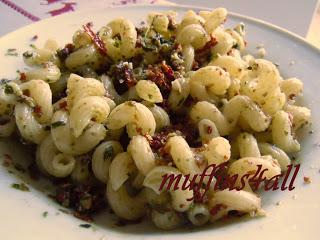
(167, 70)
(122, 77)
(65, 52)
(203, 54)
(63, 105)
(23, 76)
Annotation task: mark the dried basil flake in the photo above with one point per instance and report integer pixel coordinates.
(20, 186)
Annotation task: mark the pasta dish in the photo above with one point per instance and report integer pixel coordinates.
(115, 110)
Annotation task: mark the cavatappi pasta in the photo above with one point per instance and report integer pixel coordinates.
(114, 111)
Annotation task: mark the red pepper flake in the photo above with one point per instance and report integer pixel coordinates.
(210, 44)
(23, 76)
(204, 54)
(26, 92)
(37, 110)
(291, 96)
(195, 65)
(63, 105)
(95, 38)
(230, 52)
(307, 180)
(148, 137)
(209, 129)
(290, 118)
(130, 80)
(167, 70)
(139, 130)
(217, 208)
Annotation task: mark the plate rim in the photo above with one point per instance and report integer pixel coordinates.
(267, 24)
(305, 45)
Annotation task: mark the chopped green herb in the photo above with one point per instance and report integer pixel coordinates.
(181, 102)
(148, 46)
(255, 66)
(117, 42)
(11, 52)
(130, 103)
(63, 210)
(32, 46)
(20, 186)
(108, 153)
(85, 225)
(8, 89)
(58, 124)
(18, 167)
(242, 26)
(45, 214)
(27, 54)
(150, 96)
(4, 81)
(214, 56)
(235, 45)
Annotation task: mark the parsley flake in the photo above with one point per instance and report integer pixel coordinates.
(20, 186)
(58, 124)
(27, 54)
(108, 152)
(32, 46)
(8, 89)
(85, 225)
(11, 52)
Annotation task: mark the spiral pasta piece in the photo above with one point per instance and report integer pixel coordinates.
(227, 200)
(137, 117)
(51, 161)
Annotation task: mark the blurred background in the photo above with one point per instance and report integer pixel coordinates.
(300, 17)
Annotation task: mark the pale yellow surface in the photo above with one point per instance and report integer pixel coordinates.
(313, 35)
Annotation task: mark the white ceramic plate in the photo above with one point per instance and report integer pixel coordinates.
(297, 217)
